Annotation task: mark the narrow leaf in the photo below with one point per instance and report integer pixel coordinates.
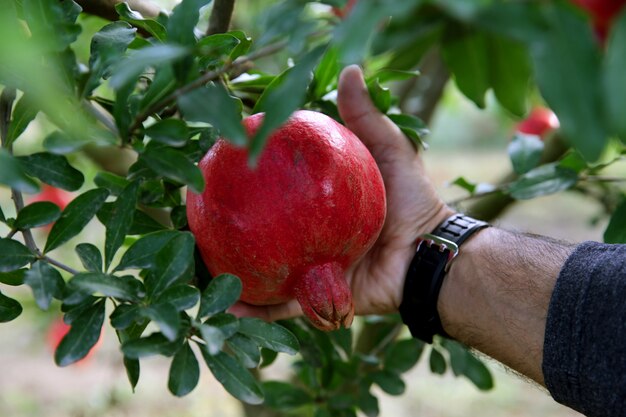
(246, 350)
(166, 317)
(525, 152)
(213, 337)
(37, 214)
(83, 335)
(172, 261)
(23, 113)
(184, 372)
(123, 288)
(614, 80)
(46, 283)
(173, 164)
(120, 222)
(221, 293)
(616, 230)
(235, 378)
(283, 396)
(53, 169)
(9, 309)
(155, 344)
(75, 217)
(269, 335)
(142, 253)
(89, 256)
(14, 255)
(171, 132)
(136, 19)
(215, 106)
(13, 175)
(182, 297)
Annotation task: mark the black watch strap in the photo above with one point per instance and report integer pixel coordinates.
(427, 272)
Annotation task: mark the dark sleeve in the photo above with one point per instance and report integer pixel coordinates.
(584, 362)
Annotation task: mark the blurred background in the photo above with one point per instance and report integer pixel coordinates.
(464, 142)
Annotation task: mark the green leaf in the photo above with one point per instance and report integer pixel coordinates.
(227, 323)
(9, 309)
(121, 221)
(213, 337)
(544, 180)
(325, 75)
(269, 335)
(133, 368)
(46, 283)
(616, 230)
(13, 278)
(412, 126)
(525, 152)
(381, 96)
(174, 165)
(89, 256)
(468, 186)
(213, 105)
(75, 217)
(124, 316)
(151, 26)
(402, 355)
(283, 396)
(182, 297)
(142, 253)
(368, 403)
(463, 362)
(353, 36)
(284, 95)
(388, 74)
(567, 71)
(172, 261)
(23, 113)
(114, 183)
(510, 72)
(245, 349)
(141, 224)
(107, 47)
(221, 293)
(123, 288)
(437, 362)
(183, 20)
(245, 42)
(214, 49)
(83, 335)
(389, 382)
(53, 169)
(13, 175)
(155, 344)
(171, 132)
(37, 214)
(14, 255)
(166, 317)
(184, 372)
(129, 69)
(614, 82)
(236, 379)
(466, 54)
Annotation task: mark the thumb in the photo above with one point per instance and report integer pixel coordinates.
(374, 129)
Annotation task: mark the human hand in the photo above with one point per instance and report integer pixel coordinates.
(413, 208)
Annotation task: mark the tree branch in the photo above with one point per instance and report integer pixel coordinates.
(106, 8)
(220, 16)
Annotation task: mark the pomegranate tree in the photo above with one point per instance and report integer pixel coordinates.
(290, 226)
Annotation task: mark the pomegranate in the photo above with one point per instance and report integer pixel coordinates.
(290, 226)
(541, 121)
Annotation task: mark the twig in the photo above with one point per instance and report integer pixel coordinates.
(56, 263)
(476, 195)
(6, 105)
(600, 178)
(101, 115)
(199, 82)
(220, 16)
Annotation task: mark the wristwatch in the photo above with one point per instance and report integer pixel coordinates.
(427, 271)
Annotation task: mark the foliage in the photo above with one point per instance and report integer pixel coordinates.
(156, 88)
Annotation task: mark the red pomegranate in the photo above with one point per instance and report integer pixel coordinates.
(541, 121)
(290, 226)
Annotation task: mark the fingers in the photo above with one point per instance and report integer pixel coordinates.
(286, 310)
(374, 129)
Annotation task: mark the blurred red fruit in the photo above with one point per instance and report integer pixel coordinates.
(541, 121)
(54, 195)
(57, 331)
(603, 13)
(345, 10)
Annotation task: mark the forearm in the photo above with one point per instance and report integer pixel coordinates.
(496, 295)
